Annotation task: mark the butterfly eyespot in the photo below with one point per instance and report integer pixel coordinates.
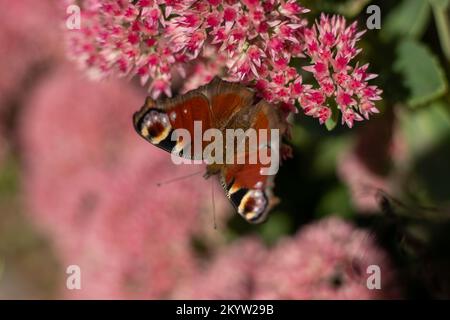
(253, 205)
(155, 126)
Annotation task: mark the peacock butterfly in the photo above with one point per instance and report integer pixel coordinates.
(220, 107)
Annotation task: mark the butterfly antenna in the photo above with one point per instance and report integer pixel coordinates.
(159, 184)
(213, 204)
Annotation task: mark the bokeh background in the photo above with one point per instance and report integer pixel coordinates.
(78, 186)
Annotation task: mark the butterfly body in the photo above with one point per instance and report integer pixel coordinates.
(227, 108)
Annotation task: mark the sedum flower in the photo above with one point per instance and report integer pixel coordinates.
(256, 43)
(229, 275)
(331, 46)
(324, 260)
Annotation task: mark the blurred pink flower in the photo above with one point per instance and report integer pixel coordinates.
(29, 34)
(92, 185)
(325, 260)
(252, 42)
(230, 275)
(363, 183)
(209, 64)
(367, 166)
(29, 38)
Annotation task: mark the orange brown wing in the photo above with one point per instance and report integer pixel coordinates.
(212, 105)
(157, 121)
(249, 191)
(249, 185)
(226, 99)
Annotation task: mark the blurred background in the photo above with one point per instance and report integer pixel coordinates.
(78, 186)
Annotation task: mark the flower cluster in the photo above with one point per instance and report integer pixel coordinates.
(325, 260)
(229, 275)
(333, 257)
(254, 42)
(331, 45)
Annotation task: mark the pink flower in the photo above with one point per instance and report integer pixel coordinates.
(29, 39)
(29, 36)
(256, 43)
(331, 45)
(228, 276)
(204, 70)
(325, 260)
(105, 45)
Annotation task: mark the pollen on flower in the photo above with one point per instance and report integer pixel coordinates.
(252, 42)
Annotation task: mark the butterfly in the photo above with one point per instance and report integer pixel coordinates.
(222, 106)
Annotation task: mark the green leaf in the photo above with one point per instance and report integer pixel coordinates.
(442, 3)
(425, 128)
(328, 151)
(331, 123)
(408, 19)
(336, 202)
(301, 138)
(352, 8)
(421, 71)
(441, 17)
(9, 178)
(427, 134)
(348, 8)
(279, 226)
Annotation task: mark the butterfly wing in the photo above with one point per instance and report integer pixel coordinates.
(227, 99)
(210, 106)
(249, 191)
(157, 121)
(248, 184)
